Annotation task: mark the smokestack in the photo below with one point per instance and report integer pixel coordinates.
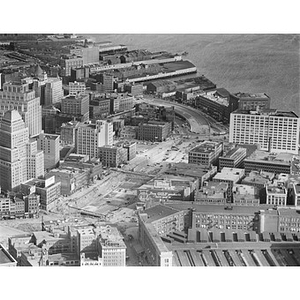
(269, 144)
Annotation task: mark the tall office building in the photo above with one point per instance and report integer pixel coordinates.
(76, 105)
(53, 91)
(17, 96)
(13, 140)
(106, 132)
(34, 160)
(272, 130)
(49, 144)
(91, 136)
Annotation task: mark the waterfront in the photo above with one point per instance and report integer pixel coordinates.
(247, 63)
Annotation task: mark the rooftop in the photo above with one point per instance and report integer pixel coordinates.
(288, 212)
(5, 257)
(214, 188)
(243, 189)
(297, 188)
(206, 147)
(49, 136)
(233, 174)
(111, 237)
(202, 81)
(256, 96)
(158, 212)
(271, 157)
(192, 170)
(86, 231)
(269, 112)
(214, 96)
(235, 153)
(216, 209)
(276, 190)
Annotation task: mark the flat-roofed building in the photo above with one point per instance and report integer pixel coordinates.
(154, 223)
(6, 260)
(18, 96)
(19, 158)
(91, 136)
(11, 206)
(212, 193)
(90, 55)
(258, 179)
(230, 176)
(76, 88)
(206, 154)
(285, 220)
(153, 131)
(203, 173)
(271, 129)
(112, 248)
(87, 239)
(233, 158)
(131, 150)
(71, 179)
(219, 216)
(76, 105)
(100, 108)
(168, 188)
(35, 160)
(48, 190)
(67, 63)
(112, 156)
(122, 103)
(161, 86)
(49, 144)
(218, 103)
(68, 133)
(128, 132)
(249, 101)
(269, 162)
(134, 89)
(296, 194)
(276, 195)
(53, 91)
(245, 195)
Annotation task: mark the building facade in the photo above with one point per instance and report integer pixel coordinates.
(272, 130)
(53, 91)
(233, 159)
(206, 153)
(153, 131)
(18, 96)
(92, 136)
(249, 101)
(76, 105)
(49, 144)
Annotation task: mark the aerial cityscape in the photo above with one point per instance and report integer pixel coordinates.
(149, 150)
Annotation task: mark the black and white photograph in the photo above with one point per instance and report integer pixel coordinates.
(137, 148)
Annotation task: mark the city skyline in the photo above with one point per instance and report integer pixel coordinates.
(133, 135)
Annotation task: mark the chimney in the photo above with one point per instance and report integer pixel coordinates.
(269, 144)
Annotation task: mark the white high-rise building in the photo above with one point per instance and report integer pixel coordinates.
(106, 133)
(53, 91)
(49, 144)
(18, 96)
(19, 158)
(271, 129)
(91, 136)
(35, 160)
(13, 140)
(76, 88)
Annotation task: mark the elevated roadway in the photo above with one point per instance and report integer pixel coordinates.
(198, 122)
